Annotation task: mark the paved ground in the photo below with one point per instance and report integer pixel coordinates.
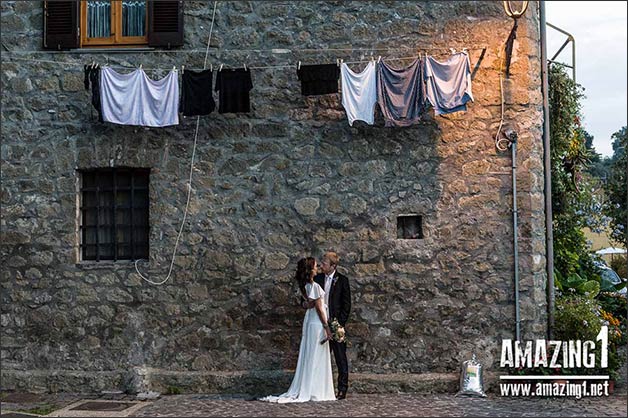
(386, 405)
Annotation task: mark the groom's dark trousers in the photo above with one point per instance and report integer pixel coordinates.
(339, 308)
(340, 354)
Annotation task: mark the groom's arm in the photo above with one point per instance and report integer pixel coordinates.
(345, 307)
(305, 304)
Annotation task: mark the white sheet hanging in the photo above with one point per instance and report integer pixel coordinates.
(135, 99)
(359, 93)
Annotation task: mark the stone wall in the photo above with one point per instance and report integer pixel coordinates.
(290, 179)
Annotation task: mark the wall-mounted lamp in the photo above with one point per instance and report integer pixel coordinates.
(515, 14)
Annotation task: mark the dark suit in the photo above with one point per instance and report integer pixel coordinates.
(339, 308)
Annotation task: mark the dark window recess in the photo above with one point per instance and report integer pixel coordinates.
(114, 214)
(61, 24)
(165, 23)
(410, 227)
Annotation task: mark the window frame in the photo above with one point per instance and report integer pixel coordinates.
(132, 226)
(116, 26)
(406, 222)
(62, 26)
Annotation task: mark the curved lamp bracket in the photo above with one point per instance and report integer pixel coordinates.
(515, 14)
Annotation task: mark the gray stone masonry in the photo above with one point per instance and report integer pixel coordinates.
(290, 179)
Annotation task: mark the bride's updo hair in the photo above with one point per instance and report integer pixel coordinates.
(305, 273)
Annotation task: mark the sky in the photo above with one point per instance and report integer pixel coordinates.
(599, 28)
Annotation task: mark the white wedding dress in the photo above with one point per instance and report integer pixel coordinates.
(313, 379)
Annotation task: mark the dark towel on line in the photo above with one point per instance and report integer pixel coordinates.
(234, 86)
(196, 93)
(319, 79)
(92, 78)
(401, 93)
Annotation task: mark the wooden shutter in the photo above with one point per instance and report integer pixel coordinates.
(61, 27)
(165, 23)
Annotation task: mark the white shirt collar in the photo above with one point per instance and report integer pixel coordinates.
(331, 275)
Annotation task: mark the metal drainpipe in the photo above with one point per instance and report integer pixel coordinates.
(512, 137)
(549, 235)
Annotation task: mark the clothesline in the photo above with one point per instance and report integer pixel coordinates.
(272, 50)
(402, 94)
(253, 67)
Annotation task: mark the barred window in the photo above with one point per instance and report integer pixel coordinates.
(114, 214)
(410, 227)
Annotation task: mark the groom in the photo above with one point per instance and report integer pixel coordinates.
(338, 300)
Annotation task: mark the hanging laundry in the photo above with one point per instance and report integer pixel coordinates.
(448, 84)
(234, 86)
(92, 81)
(359, 93)
(401, 93)
(197, 93)
(318, 79)
(135, 99)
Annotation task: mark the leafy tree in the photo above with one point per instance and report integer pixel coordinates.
(599, 167)
(575, 204)
(616, 207)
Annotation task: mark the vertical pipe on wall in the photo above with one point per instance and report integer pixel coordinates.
(549, 234)
(513, 148)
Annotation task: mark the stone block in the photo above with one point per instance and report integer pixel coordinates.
(307, 206)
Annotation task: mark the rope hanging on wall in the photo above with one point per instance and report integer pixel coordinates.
(510, 42)
(189, 185)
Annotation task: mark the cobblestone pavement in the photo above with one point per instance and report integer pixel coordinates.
(356, 405)
(388, 405)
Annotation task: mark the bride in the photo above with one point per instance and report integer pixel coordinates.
(313, 379)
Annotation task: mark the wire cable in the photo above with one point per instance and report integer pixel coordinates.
(499, 141)
(189, 187)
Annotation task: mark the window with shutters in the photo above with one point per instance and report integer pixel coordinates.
(114, 221)
(113, 22)
(106, 23)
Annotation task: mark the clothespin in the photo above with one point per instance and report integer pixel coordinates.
(453, 51)
(182, 69)
(211, 67)
(464, 50)
(220, 69)
(244, 66)
(299, 65)
(140, 66)
(338, 62)
(379, 58)
(174, 68)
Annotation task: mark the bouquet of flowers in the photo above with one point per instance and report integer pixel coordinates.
(338, 333)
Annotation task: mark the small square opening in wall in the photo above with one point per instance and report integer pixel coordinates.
(409, 227)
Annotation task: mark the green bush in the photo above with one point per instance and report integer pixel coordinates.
(617, 306)
(581, 318)
(577, 318)
(575, 283)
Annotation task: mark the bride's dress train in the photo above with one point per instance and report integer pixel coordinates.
(313, 379)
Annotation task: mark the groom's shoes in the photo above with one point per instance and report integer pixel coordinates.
(342, 394)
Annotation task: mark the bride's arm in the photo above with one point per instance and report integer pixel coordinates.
(320, 310)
